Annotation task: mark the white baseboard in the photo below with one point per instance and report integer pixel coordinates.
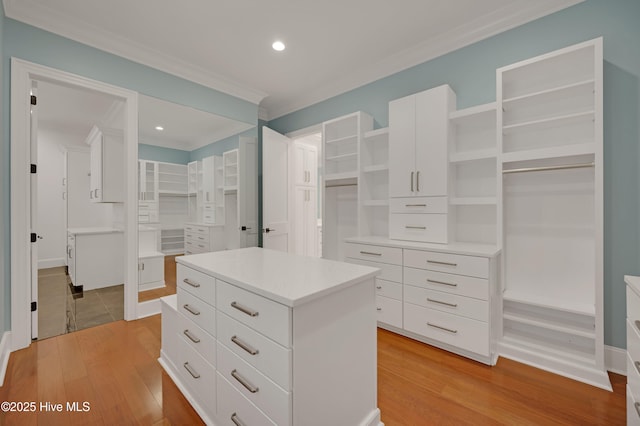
(51, 263)
(615, 360)
(148, 308)
(5, 351)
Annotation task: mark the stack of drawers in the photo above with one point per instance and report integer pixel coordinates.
(202, 238)
(419, 219)
(633, 350)
(388, 282)
(446, 298)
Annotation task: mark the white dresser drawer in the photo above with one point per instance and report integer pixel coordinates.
(633, 305)
(171, 342)
(633, 409)
(389, 311)
(196, 310)
(274, 401)
(471, 266)
(380, 254)
(196, 337)
(266, 316)
(234, 409)
(197, 283)
(446, 302)
(195, 247)
(387, 271)
(419, 205)
(430, 228)
(388, 289)
(450, 283)
(454, 330)
(269, 357)
(199, 377)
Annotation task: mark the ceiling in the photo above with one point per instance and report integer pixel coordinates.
(332, 45)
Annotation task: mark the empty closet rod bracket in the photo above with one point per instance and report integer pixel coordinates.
(540, 169)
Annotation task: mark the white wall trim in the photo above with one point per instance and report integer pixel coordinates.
(5, 351)
(615, 360)
(148, 308)
(51, 263)
(22, 73)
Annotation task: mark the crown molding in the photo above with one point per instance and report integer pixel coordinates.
(518, 13)
(49, 19)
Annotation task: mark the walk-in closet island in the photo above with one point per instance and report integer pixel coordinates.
(256, 336)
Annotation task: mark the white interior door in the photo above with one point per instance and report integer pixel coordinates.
(276, 195)
(34, 211)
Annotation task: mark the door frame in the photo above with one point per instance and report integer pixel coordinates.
(22, 73)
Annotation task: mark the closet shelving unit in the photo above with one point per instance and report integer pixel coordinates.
(550, 150)
(173, 186)
(473, 179)
(219, 192)
(172, 179)
(373, 183)
(230, 163)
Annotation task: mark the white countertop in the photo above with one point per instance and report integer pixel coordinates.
(634, 283)
(470, 249)
(93, 230)
(285, 278)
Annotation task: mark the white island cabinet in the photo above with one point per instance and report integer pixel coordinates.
(262, 337)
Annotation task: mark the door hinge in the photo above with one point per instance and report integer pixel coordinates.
(34, 99)
(34, 168)
(33, 237)
(34, 306)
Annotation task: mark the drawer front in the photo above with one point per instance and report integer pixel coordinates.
(471, 266)
(255, 386)
(196, 310)
(389, 311)
(196, 247)
(234, 409)
(170, 340)
(269, 357)
(419, 205)
(428, 228)
(388, 289)
(446, 302)
(189, 227)
(633, 339)
(199, 377)
(633, 376)
(266, 316)
(387, 272)
(380, 254)
(195, 282)
(449, 283)
(633, 305)
(633, 409)
(454, 330)
(196, 337)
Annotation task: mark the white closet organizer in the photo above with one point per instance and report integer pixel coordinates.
(473, 183)
(230, 161)
(305, 192)
(373, 188)
(633, 350)
(148, 191)
(550, 143)
(342, 139)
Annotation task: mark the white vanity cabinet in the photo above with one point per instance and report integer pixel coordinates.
(249, 345)
(107, 160)
(202, 238)
(95, 257)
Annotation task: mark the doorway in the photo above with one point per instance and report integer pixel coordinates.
(24, 265)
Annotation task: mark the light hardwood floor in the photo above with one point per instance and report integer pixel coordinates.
(114, 368)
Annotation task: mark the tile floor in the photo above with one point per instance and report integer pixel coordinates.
(60, 311)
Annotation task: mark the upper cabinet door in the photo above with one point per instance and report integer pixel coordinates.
(305, 166)
(402, 141)
(432, 136)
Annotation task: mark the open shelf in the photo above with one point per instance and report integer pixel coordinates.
(573, 150)
(340, 176)
(471, 115)
(375, 203)
(550, 122)
(472, 201)
(375, 168)
(342, 140)
(479, 154)
(342, 156)
(562, 305)
(554, 93)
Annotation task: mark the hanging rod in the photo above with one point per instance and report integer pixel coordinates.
(538, 169)
(343, 184)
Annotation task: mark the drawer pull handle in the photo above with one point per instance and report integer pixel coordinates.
(412, 181)
(236, 420)
(378, 309)
(637, 323)
(200, 245)
(243, 309)
(191, 283)
(191, 371)
(453, 305)
(442, 282)
(244, 382)
(191, 337)
(200, 238)
(442, 328)
(415, 227)
(370, 253)
(379, 287)
(415, 205)
(190, 309)
(637, 364)
(436, 262)
(244, 346)
(637, 407)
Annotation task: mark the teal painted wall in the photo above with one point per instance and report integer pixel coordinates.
(471, 73)
(41, 47)
(221, 146)
(165, 155)
(4, 189)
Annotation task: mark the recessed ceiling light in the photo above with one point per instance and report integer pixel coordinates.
(159, 128)
(278, 45)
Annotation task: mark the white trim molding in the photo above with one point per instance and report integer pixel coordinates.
(615, 360)
(148, 308)
(51, 262)
(5, 352)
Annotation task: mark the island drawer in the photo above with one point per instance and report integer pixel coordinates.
(196, 310)
(195, 282)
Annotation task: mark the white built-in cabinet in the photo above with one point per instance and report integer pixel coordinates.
(419, 134)
(305, 192)
(107, 159)
(373, 183)
(212, 190)
(550, 147)
(148, 210)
